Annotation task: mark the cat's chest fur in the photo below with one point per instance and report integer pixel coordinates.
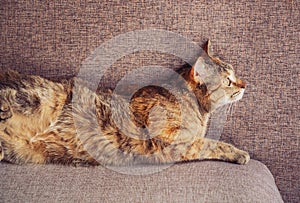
(154, 112)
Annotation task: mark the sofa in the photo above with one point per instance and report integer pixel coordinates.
(260, 39)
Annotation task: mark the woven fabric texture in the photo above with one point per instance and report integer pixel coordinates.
(260, 39)
(191, 182)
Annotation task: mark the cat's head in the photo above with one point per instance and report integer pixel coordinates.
(218, 78)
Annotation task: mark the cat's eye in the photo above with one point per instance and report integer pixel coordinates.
(228, 82)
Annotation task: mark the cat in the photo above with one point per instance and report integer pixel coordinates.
(42, 123)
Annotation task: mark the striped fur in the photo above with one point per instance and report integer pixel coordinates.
(46, 122)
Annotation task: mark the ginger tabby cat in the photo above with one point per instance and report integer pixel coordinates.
(40, 124)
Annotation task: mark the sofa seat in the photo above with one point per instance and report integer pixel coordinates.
(204, 181)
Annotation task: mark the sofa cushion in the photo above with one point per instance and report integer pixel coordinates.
(205, 181)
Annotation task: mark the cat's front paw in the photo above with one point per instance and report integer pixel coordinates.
(5, 111)
(242, 157)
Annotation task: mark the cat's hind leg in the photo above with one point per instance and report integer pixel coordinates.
(29, 105)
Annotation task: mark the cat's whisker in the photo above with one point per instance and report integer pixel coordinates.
(232, 109)
(229, 108)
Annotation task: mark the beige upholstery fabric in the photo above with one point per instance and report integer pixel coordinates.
(190, 182)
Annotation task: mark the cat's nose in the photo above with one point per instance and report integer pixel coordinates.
(241, 84)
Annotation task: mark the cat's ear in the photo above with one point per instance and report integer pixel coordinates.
(207, 48)
(199, 72)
